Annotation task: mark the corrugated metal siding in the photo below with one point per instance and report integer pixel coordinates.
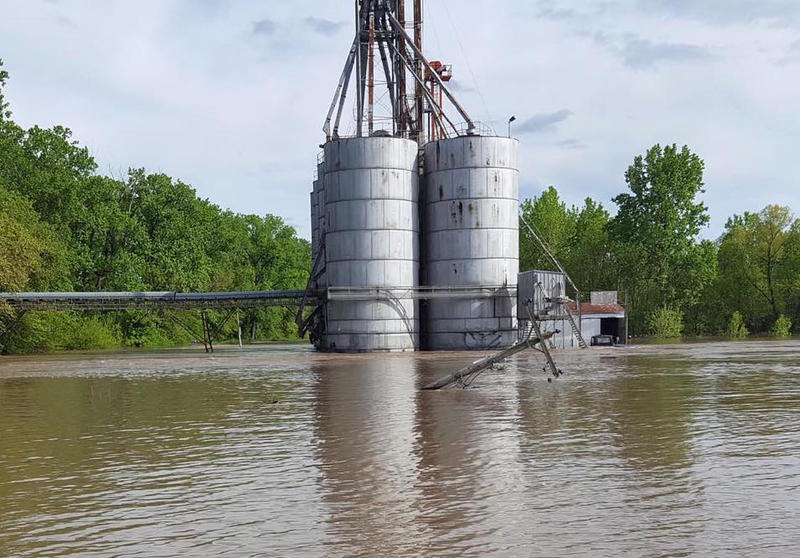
(539, 286)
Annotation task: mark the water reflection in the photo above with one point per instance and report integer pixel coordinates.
(365, 409)
(470, 475)
(657, 451)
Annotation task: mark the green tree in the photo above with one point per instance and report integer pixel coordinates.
(553, 222)
(758, 265)
(31, 257)
(655, 230)
(782, 327)
(736, 327)
(65, 227)
(4, 112)
(665, 323)
(789, 273)
(589, 260)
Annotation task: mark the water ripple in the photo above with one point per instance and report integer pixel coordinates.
(664, 451)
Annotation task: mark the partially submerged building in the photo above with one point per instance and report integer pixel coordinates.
(603, 315)
(543, 298)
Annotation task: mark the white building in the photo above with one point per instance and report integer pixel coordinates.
(544, 296)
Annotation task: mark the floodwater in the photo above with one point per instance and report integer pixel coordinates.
(650, 450)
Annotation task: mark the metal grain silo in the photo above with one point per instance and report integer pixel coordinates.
(471, 239)
(371, 236)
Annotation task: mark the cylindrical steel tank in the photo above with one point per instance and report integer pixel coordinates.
(471, 239)
(371, 237)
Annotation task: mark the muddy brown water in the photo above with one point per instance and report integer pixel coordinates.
(642, 451)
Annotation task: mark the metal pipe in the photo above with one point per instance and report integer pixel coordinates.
(427, 94)
(343, 81)
(404, 111)
(418, 101)
(359, 93)
(343, 96)
(389, 79)
(400, 73)
(450, 97)
(371, 76)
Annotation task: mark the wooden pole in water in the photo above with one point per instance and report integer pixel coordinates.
(488, 361)
(239, 327)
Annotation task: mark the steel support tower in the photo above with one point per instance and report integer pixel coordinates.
(383, 33)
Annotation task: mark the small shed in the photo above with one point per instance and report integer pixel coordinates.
(546, 291)
(603, 315)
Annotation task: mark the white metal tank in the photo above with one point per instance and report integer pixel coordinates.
(371, 237)
(471, 239)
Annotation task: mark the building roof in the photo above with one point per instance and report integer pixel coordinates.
(588, 308)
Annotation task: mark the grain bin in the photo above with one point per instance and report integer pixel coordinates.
(371, 238)
(471, 239)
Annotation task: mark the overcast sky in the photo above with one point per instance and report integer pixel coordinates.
(230, 96)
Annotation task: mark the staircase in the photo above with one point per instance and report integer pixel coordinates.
(317, 270)
(575, 329)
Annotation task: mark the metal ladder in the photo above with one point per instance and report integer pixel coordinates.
(575, 329)
(302, 325)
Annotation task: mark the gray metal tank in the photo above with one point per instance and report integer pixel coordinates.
(471, 239)
(371, 237)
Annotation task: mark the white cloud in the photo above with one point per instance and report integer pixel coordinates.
(543, 122)
(186, 88)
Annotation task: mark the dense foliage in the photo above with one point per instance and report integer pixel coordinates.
(782, 327)
(736, 327)
(665, 323)
(63, 226)
(650, 252)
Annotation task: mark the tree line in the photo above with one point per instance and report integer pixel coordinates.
(672, 283)
(65, 227)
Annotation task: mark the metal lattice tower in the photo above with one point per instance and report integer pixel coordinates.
(382, 27)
